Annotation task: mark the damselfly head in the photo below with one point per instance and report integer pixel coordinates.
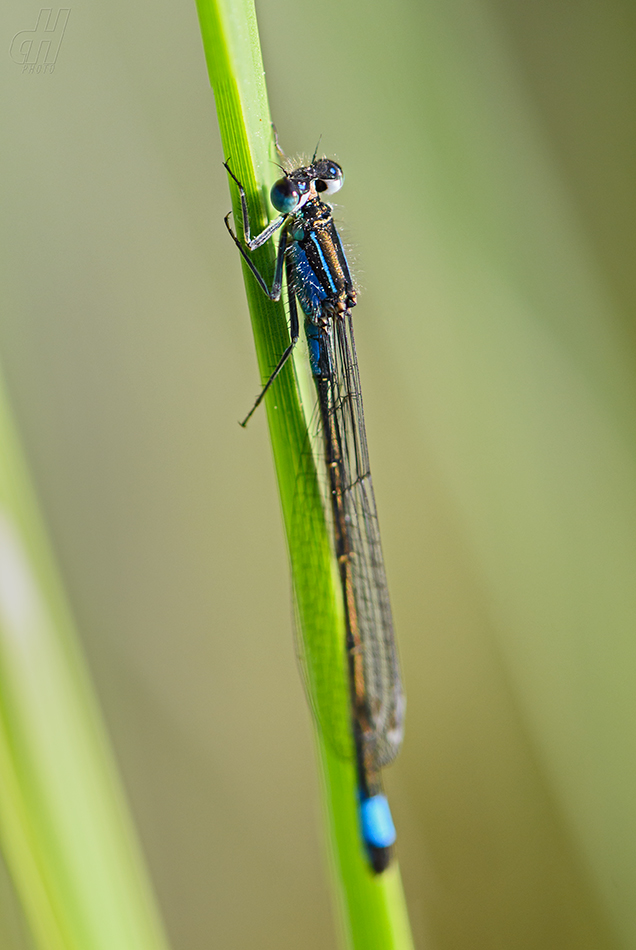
(288, 194)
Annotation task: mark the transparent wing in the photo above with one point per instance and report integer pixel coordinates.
(385, 701)
(320, 647)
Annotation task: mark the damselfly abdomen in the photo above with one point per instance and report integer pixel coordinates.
(318, 276)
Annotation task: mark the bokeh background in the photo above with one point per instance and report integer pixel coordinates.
(489, 148)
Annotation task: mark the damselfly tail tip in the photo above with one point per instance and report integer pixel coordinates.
(380, 858)
(378, 831)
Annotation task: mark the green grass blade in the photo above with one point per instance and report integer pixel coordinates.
(373, 908)
(64, 826)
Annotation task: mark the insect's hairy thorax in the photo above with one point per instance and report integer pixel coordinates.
(323, 282)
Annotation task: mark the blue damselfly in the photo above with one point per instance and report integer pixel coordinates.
(311, 253)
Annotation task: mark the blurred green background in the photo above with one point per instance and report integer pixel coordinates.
(489, 148)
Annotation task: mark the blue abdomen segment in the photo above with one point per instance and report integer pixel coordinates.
(314, 345)
(307, 287)
(378, 830)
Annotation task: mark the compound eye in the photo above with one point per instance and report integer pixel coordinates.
(330, 185)
(285, 195)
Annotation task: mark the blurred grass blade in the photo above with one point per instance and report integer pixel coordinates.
(373, 907)
(64, 826)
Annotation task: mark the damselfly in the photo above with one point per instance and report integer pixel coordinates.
(311, 253)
